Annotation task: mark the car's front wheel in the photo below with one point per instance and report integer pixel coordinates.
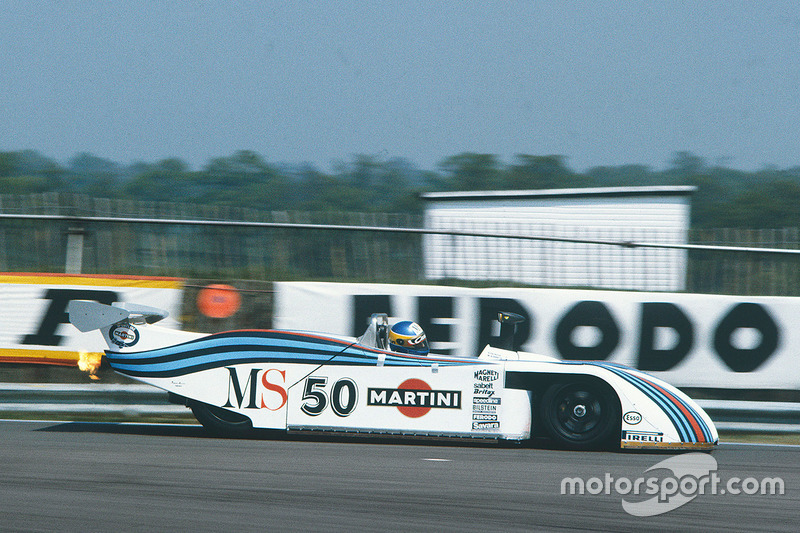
(221, 422)
(580, 414)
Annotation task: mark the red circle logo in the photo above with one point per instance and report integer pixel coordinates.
(410, 385)
(218, 301)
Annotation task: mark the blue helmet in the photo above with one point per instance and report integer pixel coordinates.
(408, 337)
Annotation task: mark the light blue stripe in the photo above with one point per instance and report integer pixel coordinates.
(233, 341)
(700, 422)
(678, 418)
(216, 358)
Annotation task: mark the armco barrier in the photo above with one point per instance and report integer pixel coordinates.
(750, 416)
(68, 400)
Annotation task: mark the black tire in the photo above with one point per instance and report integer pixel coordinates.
(221, 422)
(581, 414)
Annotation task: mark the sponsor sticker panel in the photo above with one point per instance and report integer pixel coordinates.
(486, 400)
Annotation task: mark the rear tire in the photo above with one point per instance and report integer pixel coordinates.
(580, 414)
(221, 422)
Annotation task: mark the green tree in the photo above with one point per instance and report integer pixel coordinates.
(541, 172)
(244, 179)
(165, 181)
(471, 172)
(771, 205)
(9, 164)
(708, 201)
(686, 164)
(625, 175)
(24, 184)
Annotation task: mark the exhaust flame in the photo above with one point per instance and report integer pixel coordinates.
(89, 362)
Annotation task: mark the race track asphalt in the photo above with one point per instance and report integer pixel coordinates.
(119, 477)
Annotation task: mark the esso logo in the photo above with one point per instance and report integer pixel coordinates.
(124, 335)
(632, 418)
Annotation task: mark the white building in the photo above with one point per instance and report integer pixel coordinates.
(657, 215)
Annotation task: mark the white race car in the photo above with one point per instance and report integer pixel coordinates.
(298, 381)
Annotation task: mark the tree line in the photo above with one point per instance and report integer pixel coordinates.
(725, 197)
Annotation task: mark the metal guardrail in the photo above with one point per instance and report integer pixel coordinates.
(83, 220)
(87, 399)
(133, 401)
(741, 416)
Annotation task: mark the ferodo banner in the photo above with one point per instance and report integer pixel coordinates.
(690, 340)
(34, 326)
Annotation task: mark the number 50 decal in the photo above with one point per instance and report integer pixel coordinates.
(342, 398)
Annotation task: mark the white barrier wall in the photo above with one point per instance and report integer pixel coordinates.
(34, 325)
(690, 340)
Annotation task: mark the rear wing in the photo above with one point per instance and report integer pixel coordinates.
(87, 315)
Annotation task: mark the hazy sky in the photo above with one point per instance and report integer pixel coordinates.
(603, 83)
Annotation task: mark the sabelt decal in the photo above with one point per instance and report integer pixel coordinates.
(414, 398)
(486, 389)
(485, 425)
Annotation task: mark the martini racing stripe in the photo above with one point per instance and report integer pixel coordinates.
(689, 424)
(161, 356)
(239, 338)
(243, 347)
(701, 429)
(216, 360)
(207, 364)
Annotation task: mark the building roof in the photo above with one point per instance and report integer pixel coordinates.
(657, 190)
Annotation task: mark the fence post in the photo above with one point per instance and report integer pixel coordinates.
(74, 262)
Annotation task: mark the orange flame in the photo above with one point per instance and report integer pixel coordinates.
(89, 362)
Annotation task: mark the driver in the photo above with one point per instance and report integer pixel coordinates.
(408, 337)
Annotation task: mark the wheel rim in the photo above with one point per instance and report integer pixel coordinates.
(579, 413)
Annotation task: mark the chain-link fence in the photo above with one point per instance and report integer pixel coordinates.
(233, 252)
(724, 272)
(296, 251)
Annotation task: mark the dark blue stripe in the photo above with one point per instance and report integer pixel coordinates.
(677, 418)
(229, 339)
(142, 358)
(704, 429)
(231, 348)
(679, 415)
